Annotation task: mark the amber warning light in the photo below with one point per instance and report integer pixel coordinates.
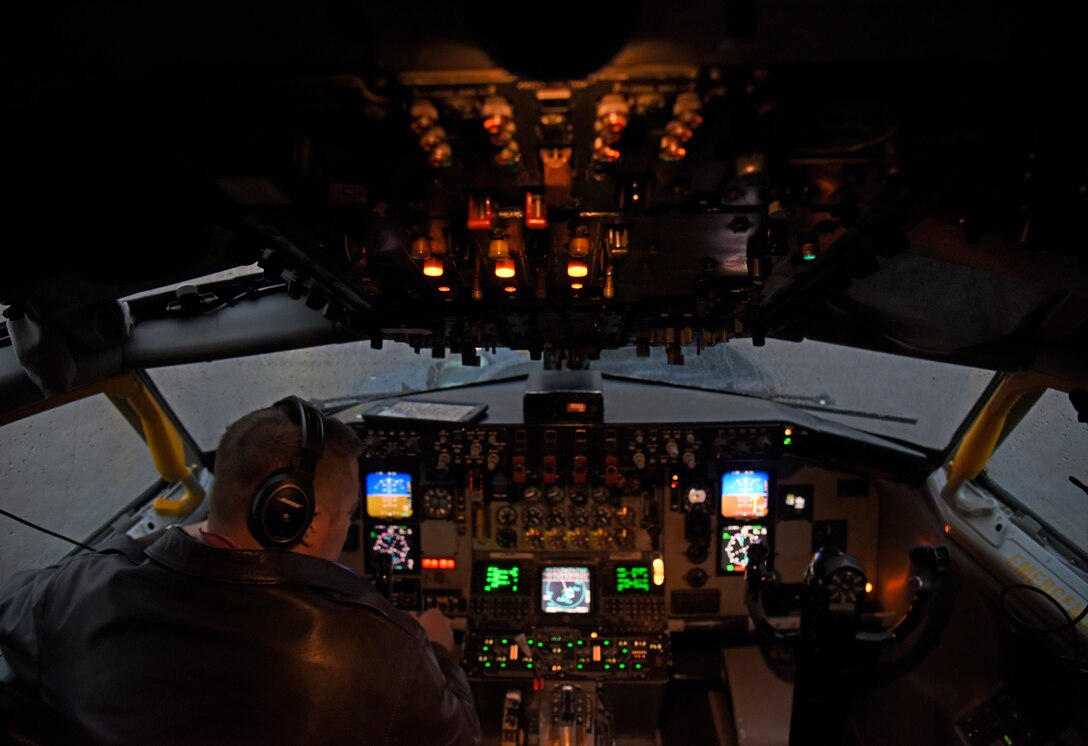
(576, 407)
(439, 563)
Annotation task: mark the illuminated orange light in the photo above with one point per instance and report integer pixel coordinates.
(948, 528)
(438, 563)
(868, 587)
(443, 288)
(511, 288)
(504, 268)
(577, 268)
(789, 431)
(576, 286)
(498, 248)
(433, 267)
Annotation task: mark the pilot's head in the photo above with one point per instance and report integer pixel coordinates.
(262, 451)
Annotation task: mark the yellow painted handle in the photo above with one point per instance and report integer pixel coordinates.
(164, 442)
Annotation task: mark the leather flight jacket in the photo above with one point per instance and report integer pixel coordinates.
(178, 642)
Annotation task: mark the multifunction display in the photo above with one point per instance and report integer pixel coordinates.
(399, 541)
(500, 578)
(735, 541)
(633, 579)
(745, 494)
(565, 589)
(389, 494)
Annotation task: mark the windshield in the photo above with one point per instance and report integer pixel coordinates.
(917, 401)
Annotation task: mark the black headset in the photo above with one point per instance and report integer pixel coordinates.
(283, 505)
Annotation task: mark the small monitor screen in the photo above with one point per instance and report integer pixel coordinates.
(399, 541)
(389, 494)
(735, 541)
(632, 579)
(745, 494)
(565, 589)
(500, 578)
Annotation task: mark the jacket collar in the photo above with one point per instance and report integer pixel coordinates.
(182, 553)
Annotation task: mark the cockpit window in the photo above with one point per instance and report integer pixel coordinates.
(70, 470)
(918, 401)
(1041, 465)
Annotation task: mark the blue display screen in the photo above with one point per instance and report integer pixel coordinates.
(745, 494)
(389, 494)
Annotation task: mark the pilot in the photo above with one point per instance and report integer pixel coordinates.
(246, 629)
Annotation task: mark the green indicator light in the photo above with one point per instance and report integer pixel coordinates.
(623, 650)
(638, 665)
(530, 642)
(540, 644)
(502, 665)
(581, 642)
(514, 588)
(1007, 740)
(504, 641)
(623, 665)
(487, 665)
(528, 665)
(606, 642)
(570, 644)
(487, 588)
(485, 647)
(730, 568)
(606, 666)
(580, 666)
(787, 441)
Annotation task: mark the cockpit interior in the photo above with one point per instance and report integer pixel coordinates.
(720, 366)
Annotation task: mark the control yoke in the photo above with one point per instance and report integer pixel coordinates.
(831, 650)
(835, 585)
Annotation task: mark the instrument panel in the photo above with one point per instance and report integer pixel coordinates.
(572, 548)
(579, 517)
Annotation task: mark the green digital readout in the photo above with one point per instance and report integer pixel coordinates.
(632, 578)
(501, 578)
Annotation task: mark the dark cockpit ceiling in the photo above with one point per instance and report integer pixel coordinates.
(903, 176)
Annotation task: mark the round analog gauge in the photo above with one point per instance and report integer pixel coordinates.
(534, 516)
(625, 538)
(556, 517)
(507, 537)
(554, 493)
(578, 497)
(602, 516)
(437, 503)
(697, 553)
(625, 514)
(579, 517)
(531, 493)
(600, 494)
(506, 516)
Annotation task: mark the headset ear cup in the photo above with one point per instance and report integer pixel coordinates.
(281, 511)
(283, 506)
